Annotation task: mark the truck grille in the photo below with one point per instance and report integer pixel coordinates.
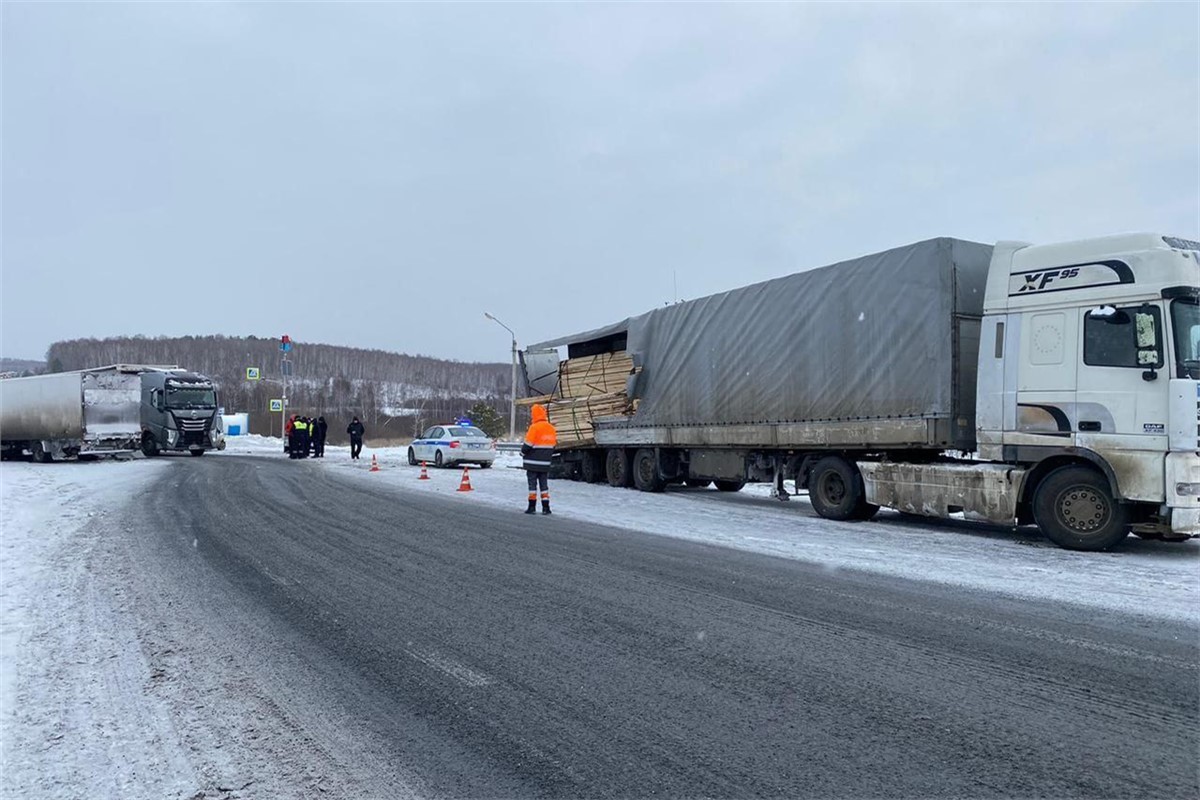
(191, 431)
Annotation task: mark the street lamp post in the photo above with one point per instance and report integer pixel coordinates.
(512, 405)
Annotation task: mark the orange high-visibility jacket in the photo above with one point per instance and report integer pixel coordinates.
(539, 443)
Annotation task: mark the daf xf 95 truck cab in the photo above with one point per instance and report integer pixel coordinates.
(1089, 364)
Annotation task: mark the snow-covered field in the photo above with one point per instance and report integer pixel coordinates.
(57, 640)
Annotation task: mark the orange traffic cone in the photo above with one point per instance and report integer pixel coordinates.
(465, 485)
(424, 473)
(374, 463)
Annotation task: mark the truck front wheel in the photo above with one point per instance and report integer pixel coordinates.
(835, 489)
(149, 446)
(1075, 508)
(617, 469)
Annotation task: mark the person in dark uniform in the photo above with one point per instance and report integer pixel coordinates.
(321, 429)
(356, 431)
(300, 445)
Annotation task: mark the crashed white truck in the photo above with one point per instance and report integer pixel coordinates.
(87, 413)
(1052, 384)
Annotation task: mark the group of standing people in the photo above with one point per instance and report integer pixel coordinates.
(305, 436)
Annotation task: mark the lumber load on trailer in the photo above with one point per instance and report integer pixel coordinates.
(588, 388)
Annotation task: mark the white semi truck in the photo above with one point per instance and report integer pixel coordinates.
(1053, 384)
(86, 413)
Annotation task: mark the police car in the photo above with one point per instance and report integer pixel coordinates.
(458, 443)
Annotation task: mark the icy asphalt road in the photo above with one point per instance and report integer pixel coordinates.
(413, 644)
(319, 636)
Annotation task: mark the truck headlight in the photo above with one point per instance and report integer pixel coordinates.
(171, 434)
(1187, 489)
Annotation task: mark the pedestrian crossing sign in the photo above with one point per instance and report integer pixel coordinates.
(251, 373)
(277, 405)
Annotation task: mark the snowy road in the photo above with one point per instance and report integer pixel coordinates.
(252, 627)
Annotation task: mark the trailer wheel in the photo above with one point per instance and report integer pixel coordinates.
(645, 471)
(697, 483)
(836, 491)
(592, 467)
(40, 455)
(617, 469)
(730, 486)
(1075, 508)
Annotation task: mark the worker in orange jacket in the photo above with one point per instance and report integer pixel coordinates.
(536, 450)
(287, 434)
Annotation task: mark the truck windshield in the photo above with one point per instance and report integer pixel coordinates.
(1185, 319)
(191, 398)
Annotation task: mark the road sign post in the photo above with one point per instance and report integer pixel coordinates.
(285, 369)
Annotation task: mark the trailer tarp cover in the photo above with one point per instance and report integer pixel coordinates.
(869, 338)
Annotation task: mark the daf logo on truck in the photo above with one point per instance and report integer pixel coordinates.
(1075, 276)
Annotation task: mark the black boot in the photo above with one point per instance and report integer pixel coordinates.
(532, 507)
(545, 506)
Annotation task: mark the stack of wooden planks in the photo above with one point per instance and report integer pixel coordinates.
(589, 387)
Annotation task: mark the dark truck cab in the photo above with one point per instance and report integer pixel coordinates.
(178, 412)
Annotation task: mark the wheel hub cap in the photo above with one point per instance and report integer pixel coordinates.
(1083, 509)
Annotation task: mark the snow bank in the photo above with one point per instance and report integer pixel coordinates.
(49, 655)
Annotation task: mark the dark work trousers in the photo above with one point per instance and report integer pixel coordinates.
(536, 479)
(355, 446)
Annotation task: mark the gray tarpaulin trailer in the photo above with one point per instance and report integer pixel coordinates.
(1012, 383)
(878, 352)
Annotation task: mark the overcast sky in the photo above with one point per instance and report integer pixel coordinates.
(380, 175)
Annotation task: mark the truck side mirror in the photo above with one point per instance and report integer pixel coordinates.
(1147, 342)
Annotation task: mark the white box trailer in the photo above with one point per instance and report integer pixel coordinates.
(85, 413)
